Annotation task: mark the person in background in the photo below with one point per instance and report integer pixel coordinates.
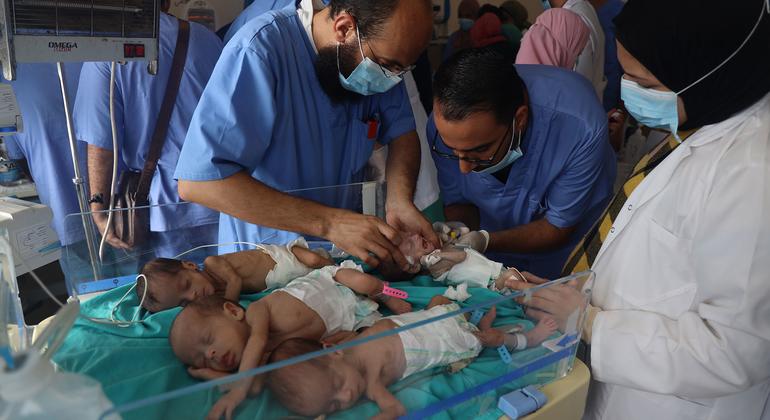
(591, 61)
(513, 14)
(516, 14)
(45, 146)
(556, 39)
(138, 98)
(679, 327)
(461, 38)
(487, 33)
(311, 119)
(522, 153)
(606, 11)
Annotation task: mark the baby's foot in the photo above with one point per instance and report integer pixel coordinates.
(398, 306)
(542, 330)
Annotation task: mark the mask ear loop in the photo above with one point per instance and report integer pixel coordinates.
(743, 44)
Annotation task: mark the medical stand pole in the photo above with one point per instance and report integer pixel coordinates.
(80, 186)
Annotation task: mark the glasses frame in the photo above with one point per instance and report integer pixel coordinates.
(453, 156)
(391, 74)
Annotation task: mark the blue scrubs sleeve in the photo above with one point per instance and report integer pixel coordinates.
(448, 170)
(13, 148)
(232, 127)
(396, 114)
(91, 114)
(570, 195)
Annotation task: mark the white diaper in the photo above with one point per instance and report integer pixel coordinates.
(287, 266)
(339, 308)
(437, 343)
(477, 270)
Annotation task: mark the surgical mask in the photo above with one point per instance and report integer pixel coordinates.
(513, 154)
(652, 108)
(658, 109)
(546, 4)
(466, 24)
(367, 78)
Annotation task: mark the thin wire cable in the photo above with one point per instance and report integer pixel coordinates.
(113, 125)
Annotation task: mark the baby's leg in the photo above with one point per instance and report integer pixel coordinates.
(309, 258)
(368, 285)
(542, 330)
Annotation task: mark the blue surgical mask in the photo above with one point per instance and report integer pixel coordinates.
(652, 108)
(546, 4)
(513, 154)
(367, 78)
(466, 24)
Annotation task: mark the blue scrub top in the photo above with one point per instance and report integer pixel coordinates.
(138, 99)
(566, 174)
(44, 142)
(264, 112)
(255, 9)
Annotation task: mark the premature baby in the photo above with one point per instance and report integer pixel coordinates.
(337, 381)
(453, 266)
(171, 283)
(215, 336)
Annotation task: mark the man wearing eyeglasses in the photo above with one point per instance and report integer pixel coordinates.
(298, 99)
(522, 153)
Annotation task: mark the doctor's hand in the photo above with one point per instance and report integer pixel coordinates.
(448, 232)
(405, 217)
(558, 302)
(100, 220)
(368, 238)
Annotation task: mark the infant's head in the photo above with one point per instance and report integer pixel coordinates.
(171, 283)
(210, 332)
(414, 246)
(321, 385)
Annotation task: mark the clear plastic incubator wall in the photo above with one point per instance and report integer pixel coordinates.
(143, 379)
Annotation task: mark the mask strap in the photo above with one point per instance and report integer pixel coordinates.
(360, 47)
(754, 29)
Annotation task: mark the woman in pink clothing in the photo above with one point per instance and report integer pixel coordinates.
(556, 39)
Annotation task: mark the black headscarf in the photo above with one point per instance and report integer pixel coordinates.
(679, 41)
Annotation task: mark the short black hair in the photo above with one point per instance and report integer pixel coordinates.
(370, 15)
(478, 80)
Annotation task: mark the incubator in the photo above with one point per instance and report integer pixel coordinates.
(143, 379)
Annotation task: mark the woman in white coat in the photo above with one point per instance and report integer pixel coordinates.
(679, 326)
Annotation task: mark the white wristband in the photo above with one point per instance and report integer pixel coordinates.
(520, 341)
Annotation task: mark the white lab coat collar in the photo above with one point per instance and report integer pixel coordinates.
(305, 13)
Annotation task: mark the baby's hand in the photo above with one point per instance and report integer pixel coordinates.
(442, 261)
(205, 374)
(227, 405)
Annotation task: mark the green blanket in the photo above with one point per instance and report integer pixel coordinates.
(136, 362)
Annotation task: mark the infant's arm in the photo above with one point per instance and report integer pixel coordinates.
(390, 406)
(361, 283)
(220, 268)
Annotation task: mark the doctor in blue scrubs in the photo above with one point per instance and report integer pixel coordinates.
(45, 147)
(138, 99)
(522, 153)
(297, 100)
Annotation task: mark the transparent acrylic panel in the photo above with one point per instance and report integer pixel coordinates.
(92, 267)
(144, 379)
